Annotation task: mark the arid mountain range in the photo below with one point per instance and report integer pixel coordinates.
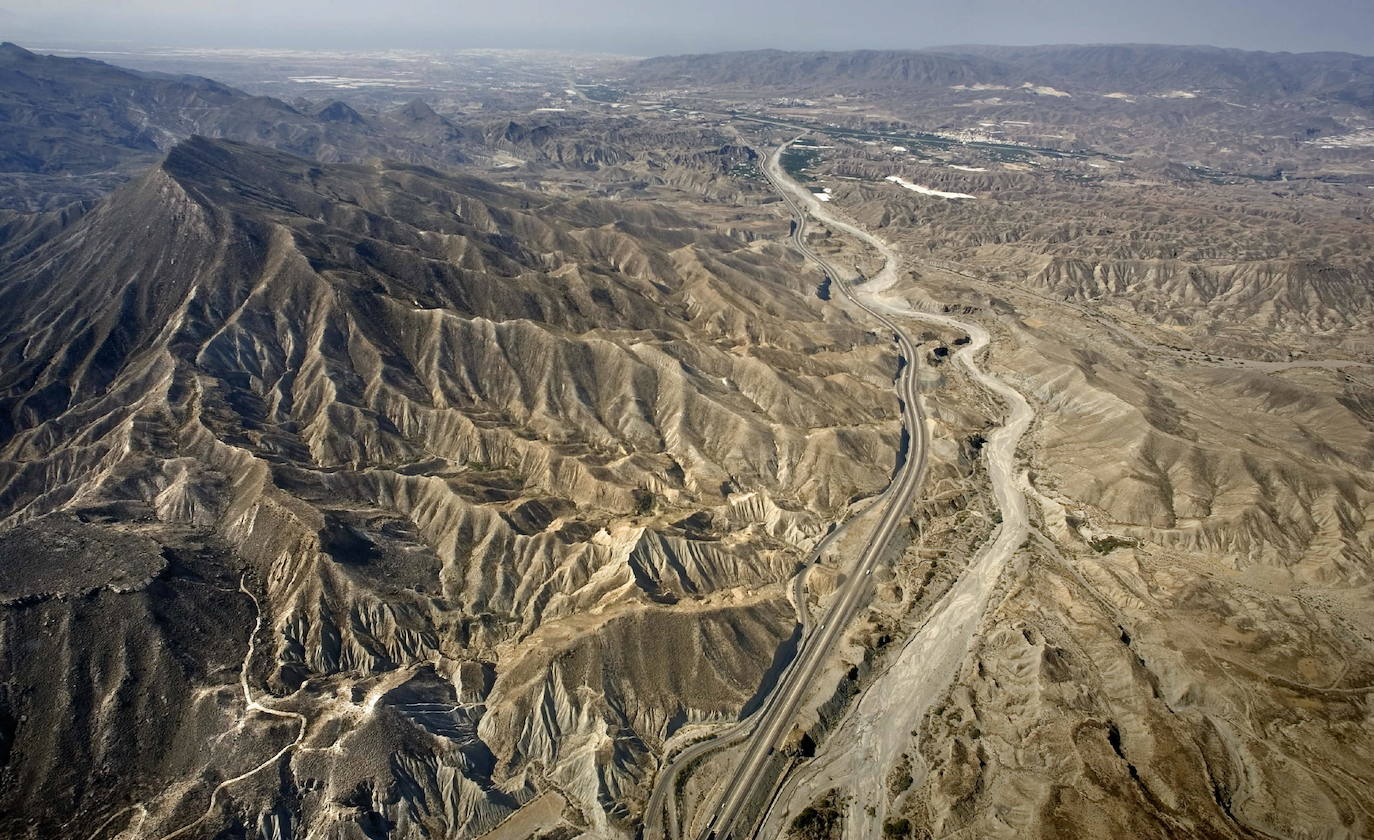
(1109, 67)
(395, 471)
(88, 121)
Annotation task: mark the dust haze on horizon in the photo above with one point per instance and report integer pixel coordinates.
(658, 27)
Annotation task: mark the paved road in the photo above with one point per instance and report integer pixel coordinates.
(857, 754)
(660, 799)
(763, 733)
(771, 723)
(857, 589)
(866, 742)
(773, 720)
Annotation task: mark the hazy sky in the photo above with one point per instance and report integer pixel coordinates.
(652, 27)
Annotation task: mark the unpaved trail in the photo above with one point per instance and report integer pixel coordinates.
(857, 755)
(131, 830)
(252, 706)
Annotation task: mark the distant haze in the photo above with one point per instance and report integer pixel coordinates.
(652, 27)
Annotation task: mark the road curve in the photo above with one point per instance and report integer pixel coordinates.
(659, 798)
(866, 741)
(857, 589)
(773, 721)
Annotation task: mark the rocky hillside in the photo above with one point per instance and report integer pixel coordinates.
(450, 495)
(1238, 268)
(373, 472)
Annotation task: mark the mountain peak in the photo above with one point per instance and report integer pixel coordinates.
(196, 151)
(339, 111)
(13, 52)
(209, 163)
(417, 110)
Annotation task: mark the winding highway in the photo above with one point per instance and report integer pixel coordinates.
(859, 751)
(667, 779)
(764, 731)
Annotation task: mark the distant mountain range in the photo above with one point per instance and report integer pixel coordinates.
(1125, 67)
(84, 118)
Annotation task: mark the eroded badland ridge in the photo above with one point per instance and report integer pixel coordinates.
(975, 441)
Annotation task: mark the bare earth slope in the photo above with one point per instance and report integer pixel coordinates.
(343, 497)
(1168, 249)
(512, 482)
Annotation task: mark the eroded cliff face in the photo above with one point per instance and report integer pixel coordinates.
(455, 495)
(1180, 646)
(1116, 694)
